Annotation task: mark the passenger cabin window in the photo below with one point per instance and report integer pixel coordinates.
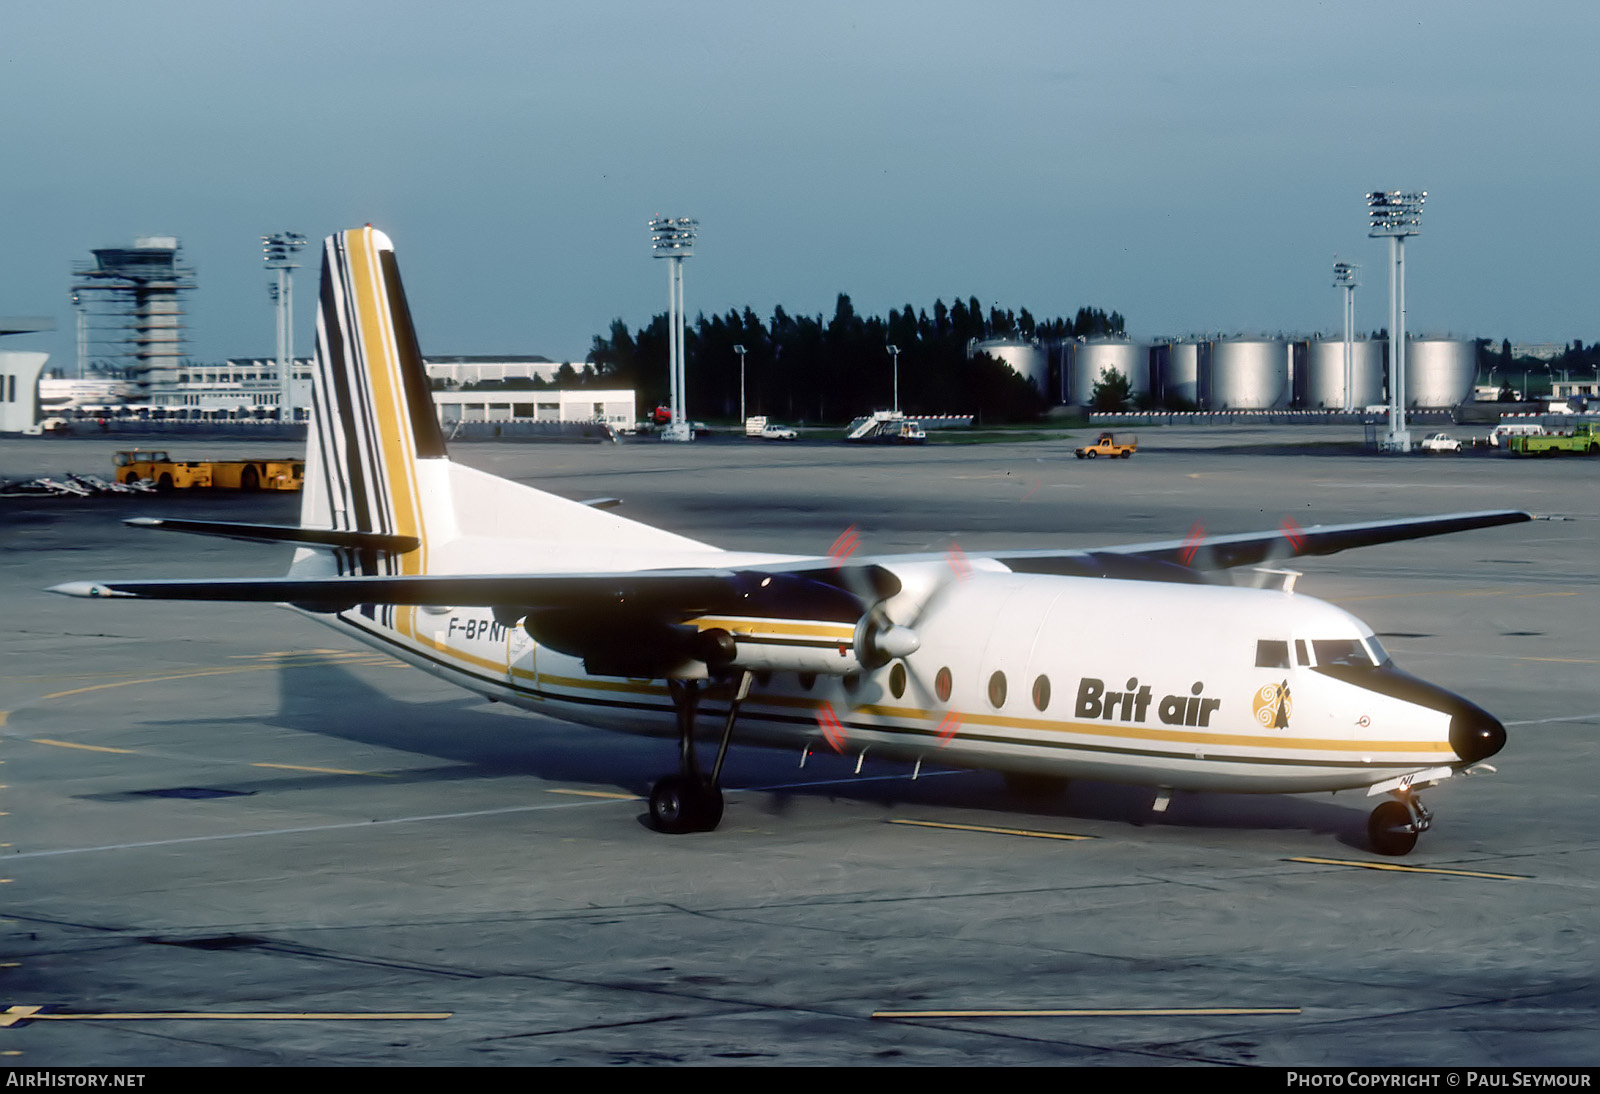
(1041, 692)
(897, 679)
(942, 685)
(997, 690)
(1272, 654)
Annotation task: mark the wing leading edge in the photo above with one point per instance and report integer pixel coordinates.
(805, 579)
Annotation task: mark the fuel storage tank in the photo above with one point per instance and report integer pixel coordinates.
(1323, 385)
(1248, 374)
(1177, 368)
(1440, 371)
(1090, 359)
(1027, 359)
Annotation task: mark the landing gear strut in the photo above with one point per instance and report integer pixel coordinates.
(691, 801)
(1394, 826)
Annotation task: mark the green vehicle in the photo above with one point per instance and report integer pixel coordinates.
(1583, 440)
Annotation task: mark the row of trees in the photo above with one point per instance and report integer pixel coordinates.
(805, 368)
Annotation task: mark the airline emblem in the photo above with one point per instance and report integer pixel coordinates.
(1273, 706)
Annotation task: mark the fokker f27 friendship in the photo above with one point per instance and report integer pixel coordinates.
(563, 608)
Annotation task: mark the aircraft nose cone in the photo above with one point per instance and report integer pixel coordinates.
(1475, 734)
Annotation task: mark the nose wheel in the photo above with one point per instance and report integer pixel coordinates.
(691, 801)
(1394, 826)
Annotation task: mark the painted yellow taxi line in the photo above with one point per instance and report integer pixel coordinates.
(1106, 1012)
(86, 748)
(135, 752)
(1410, 869)
(987, 828)
(594, 794)
(324, 770)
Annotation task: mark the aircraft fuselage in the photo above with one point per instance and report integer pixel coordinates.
(1191, 687)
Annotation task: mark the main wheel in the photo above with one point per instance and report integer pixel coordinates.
(677, 806)
(250, 480)
(1391, 830)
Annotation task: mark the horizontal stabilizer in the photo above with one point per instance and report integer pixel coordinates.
(280, 533)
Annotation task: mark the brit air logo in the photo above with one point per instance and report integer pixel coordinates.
(1273, 706)
(1133, 702)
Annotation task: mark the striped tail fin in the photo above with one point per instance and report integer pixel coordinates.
(374, 447)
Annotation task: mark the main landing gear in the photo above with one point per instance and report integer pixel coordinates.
(1394, 826)
(691, 801)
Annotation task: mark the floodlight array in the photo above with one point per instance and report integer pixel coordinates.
(673, 237)
(1395, 212)
(280, 248)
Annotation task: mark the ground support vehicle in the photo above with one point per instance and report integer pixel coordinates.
(886, 427)
(1584, 440)
(760, 428)
(1441, 442)
(165, 473)
(1115, 445)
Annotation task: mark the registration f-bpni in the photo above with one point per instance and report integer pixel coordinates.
(569, 610)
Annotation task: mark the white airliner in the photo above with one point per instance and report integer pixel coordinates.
(983, 662)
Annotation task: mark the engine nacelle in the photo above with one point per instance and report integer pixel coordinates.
(800, 645)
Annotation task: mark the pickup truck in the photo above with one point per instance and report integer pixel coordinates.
(759, 428)
(1583, 440)
(1109, 444)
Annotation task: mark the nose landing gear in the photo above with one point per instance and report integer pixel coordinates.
(1394, 826)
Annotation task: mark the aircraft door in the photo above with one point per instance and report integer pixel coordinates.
(522, 658)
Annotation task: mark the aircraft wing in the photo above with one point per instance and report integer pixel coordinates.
(653, 592)
(1248, 548)
(815, 588)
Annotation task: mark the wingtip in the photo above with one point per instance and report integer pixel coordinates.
(91, 590)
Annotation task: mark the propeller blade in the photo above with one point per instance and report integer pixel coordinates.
(832, 729)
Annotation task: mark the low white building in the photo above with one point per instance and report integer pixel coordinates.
(456, 371)
(614, 407)
(19, 377)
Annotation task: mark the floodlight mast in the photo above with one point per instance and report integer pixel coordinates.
(673, 238)
(1347, 276)
(1396, 214)
(894, 356)
(279, 250)
(740, 350)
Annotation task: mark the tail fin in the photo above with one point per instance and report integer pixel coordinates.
(373, 429)
(376, 466)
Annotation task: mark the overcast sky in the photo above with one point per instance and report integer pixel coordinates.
(1195, 166)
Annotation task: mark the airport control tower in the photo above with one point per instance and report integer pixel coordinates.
(135, 299)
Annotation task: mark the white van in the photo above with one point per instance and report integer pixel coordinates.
(1508, 429)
